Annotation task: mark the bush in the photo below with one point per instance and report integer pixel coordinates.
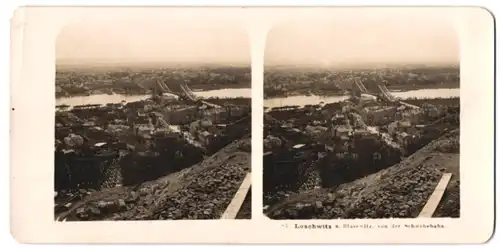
(451, 145)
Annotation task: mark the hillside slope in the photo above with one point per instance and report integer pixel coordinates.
(202, 191)
(399, 191)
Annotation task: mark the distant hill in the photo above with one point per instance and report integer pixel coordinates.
(66, 65)
(313, 67)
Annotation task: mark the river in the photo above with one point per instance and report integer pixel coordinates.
(101, 99)
(246, 93)
(313, 100)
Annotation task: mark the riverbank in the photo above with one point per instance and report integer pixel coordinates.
(137, 80)
(333, 82)
(101, 99)
(314, 100)
(272, 93)
(109, 90)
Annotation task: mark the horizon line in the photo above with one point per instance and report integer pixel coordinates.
(150, 63)
(362, 65)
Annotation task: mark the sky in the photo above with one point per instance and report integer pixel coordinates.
(356, 36)
(153, 42)
(363, 38)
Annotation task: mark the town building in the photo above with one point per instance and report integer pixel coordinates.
(181, 116)
(376, 116)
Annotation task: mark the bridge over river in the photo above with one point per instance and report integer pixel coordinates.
(180, 89)
(381, 91)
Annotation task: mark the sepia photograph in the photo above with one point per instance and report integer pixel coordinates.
(152, 120)
(362, 118)
(133, 125)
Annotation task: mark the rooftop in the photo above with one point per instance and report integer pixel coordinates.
(377, 108)
(298, 146)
